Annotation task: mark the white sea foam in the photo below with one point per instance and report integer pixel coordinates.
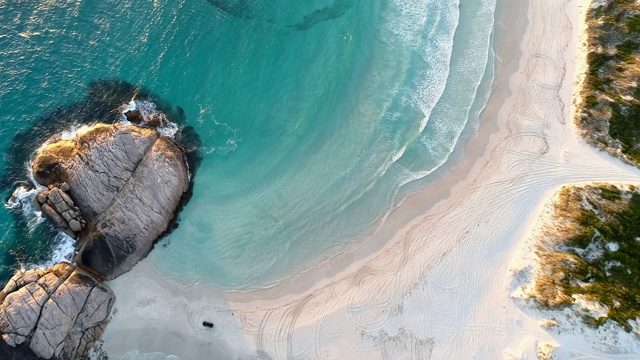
(62, 250)
(137, 355)
(428, 27)
(449, 116)
(71, 133)
(423, 124)
(22, 199)
(435, 93)
(399, 154)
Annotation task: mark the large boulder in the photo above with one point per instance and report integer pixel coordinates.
(60, 311)
(57, 206)
(125, 181)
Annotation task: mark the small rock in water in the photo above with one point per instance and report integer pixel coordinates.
(156, 120)
(134, 116)
(67, 216)
(66, 198)
(53, 215)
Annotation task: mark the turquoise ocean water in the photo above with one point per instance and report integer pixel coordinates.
(315, 117)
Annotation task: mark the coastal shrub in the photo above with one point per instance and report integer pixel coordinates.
(611, 193)
(610, 276)
(625, 127)
(593, 322)
(624, 2)
(582, 239)
(633, 24)
(591, 101)
(626, 49)
(613, 31)
(595, 61)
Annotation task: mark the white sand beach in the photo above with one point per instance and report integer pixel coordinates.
(437, 286)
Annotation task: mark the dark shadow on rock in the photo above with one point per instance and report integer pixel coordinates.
(336, 10)
(100, 104)
(190, 142)
(21, 352)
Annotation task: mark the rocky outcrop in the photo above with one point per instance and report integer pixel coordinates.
(62, 311)
(57, 206)
(115, 189)
(155, 120)
(126, 182)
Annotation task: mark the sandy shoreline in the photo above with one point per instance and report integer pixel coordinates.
(439, 285)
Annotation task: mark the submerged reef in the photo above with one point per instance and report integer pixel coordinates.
(114, 188)
(335, 11)
(237, 8)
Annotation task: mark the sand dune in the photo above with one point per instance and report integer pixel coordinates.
(440, 287)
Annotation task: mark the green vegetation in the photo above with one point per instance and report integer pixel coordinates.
(626, 49)
(611, 113)
(633, 24)
(611, 193)
(602, 261)
(595, 61)
(624, 125)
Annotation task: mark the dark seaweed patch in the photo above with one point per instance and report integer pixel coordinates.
(336, 10)
(237, 8)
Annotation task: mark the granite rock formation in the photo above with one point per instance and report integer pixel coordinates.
(57, 206)
(126, 182)
(115, 189)
(61, 311)
(155, 120)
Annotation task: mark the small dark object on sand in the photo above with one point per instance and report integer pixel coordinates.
(207, 324)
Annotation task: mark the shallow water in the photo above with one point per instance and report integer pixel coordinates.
(315, 117)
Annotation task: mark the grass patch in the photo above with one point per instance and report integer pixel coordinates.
(612, 276)
(624, 125)
(610, 92)
(595, 61)
(611, 193)
(633, 24)
(626, 49)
